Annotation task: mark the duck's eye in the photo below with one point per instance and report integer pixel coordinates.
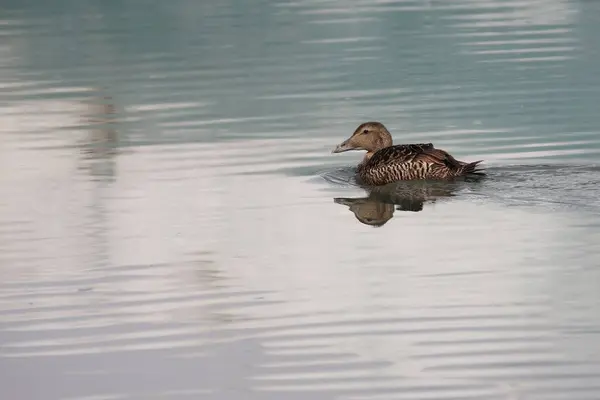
(365, 131)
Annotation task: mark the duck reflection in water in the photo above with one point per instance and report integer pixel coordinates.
(379, 206)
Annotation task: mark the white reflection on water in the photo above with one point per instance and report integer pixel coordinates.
(526, 13)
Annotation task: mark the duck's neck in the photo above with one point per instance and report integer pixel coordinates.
(365, 159)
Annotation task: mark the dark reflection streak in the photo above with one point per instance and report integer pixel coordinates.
(378, 207)
(101, 143)
(98, 158)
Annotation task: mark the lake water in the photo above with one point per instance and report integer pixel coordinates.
(173, 224)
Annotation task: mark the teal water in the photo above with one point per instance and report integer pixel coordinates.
(173, 224)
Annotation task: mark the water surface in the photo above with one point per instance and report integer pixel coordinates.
(173, 224)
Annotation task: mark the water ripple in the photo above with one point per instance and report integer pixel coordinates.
(174, 225)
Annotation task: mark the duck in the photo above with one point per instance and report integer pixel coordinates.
(385, 162)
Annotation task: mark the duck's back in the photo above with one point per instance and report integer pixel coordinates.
(408, 162)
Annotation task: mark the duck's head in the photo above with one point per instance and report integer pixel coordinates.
(369, 136)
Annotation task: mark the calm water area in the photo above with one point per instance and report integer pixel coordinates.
(173, 224)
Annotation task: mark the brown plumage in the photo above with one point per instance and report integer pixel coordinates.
(385, 163)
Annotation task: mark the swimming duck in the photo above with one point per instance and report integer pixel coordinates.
(385, 163)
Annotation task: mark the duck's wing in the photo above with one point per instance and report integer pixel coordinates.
(409, 153)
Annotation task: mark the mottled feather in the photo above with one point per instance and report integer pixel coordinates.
(411, 161)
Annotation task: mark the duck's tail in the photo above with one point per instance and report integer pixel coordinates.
(470, 169)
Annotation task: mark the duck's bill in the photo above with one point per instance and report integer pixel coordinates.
(345, 201)
(344, 146)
